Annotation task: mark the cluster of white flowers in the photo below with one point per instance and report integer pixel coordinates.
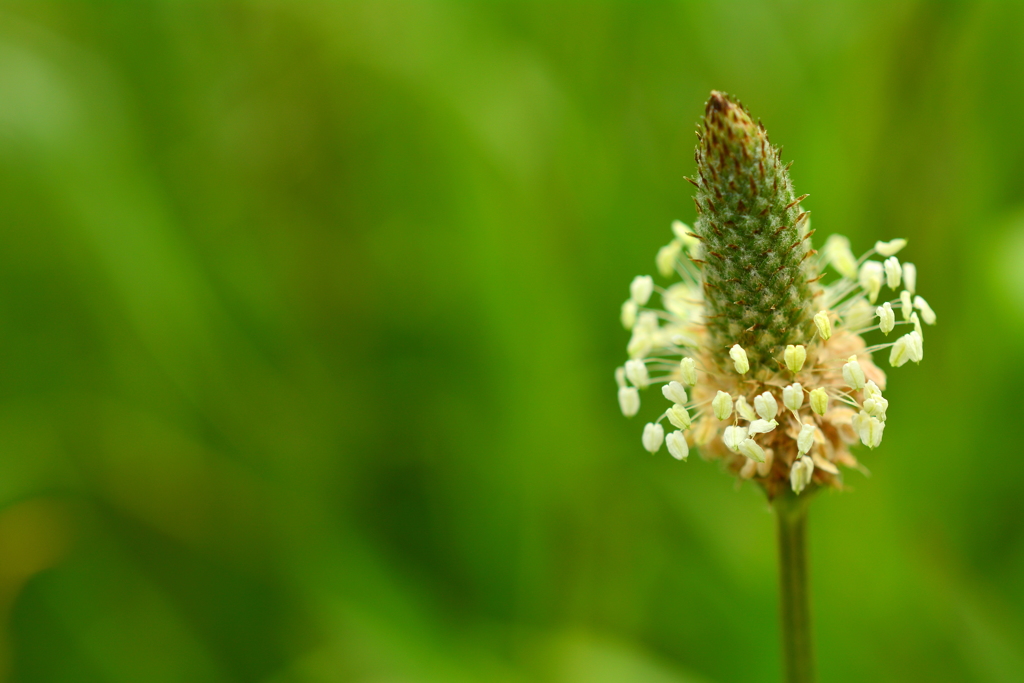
(829, 390)
(854, 295)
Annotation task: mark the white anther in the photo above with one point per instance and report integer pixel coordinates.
(893, 272)
(666, 258)
(891, 247)
(917, 324)
(679, 416)
(682, 232)
(859, 313)
(688, 371)
(837, 252)
(733, 436)
(899, 355)
(761, 427)
(674, 392)
(793, 396)
(800, 474)
(819, 401)
(765, 468)
(910, 277)
(766, 406)
(677, 446)
(906, 304)
(871, 389)
(805, 439)
(868, 428)
(886, 318)
(876, 407)
(722, 405)
(915, 347)
(870, 278)
(823, 324)
(749, 448)
(927, 314)
(640, 289)
(641, 342)
(795, 356)
(744, 410)
(629, 401)
(739, 359)
(749, 468)
(853, 373)
(654, 434)
(636, 372)
(907, 347)
(628, 314)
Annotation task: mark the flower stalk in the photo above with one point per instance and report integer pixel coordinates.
(794, 589)
(763, 362)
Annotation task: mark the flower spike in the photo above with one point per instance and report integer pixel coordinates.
(751, 308)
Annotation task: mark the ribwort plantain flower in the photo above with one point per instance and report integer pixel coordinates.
(749, 324)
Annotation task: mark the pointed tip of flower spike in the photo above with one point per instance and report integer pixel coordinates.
(795, 356)
(823, 324)
(677, 446)
(739, 359)
(891, 247)
(722, 405)
(641, 288)
(853, 373)
(629, 401)
(654, 434)
(819, 401)
(636, 372)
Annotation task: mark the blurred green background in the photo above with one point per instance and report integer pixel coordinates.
(309, 312)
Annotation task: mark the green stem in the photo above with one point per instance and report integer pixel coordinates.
(794, 591)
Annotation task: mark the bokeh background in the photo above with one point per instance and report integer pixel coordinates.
(309, 312)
